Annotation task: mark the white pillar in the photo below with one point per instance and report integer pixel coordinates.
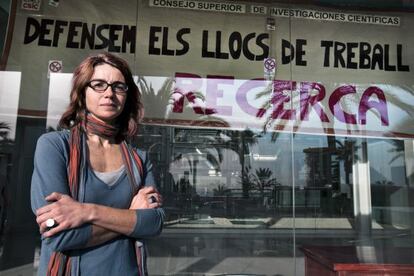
(409, 172)
(362, 190)
(409, 161)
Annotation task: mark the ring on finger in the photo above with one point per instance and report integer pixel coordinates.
(152, 199)
(50, 223)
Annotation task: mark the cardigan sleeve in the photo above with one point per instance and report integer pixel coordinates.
(50, 175)
(149, 221)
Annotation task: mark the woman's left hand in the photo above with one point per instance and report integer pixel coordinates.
(146, 198)
(64, 210)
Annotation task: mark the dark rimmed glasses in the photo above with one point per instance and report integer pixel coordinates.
(100, 86)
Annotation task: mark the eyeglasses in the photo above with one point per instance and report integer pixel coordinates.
(100, 86)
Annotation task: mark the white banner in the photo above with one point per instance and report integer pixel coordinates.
(373, 110)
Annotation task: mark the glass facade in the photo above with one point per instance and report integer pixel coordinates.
(272, 125)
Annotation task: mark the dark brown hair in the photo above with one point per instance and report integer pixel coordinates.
(129, 118)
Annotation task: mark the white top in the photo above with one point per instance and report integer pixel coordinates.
(110, 178)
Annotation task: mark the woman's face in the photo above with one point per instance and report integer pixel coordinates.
(105, 105)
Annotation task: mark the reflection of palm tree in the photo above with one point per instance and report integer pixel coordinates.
(347, 153)
(4, 132)
(274, 103)
(185, 104)
(395, 99)
(246, 181)
(271, 101)
(262, 179)
(195, 101)
(213, 160)
(239, 142)
(220, 190)
(384, 182)
(398, 149)
(266, 93)
(157, 101)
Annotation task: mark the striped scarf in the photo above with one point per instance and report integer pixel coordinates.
(60, 262)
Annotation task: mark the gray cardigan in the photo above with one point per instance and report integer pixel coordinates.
(115, 257)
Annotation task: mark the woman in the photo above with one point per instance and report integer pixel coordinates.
(93, 195)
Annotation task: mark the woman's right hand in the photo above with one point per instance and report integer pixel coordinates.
(67, 213)
(144, 199)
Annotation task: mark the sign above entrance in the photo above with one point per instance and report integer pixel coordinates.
(323, 15)
(199, 5)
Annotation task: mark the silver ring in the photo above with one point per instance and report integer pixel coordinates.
(50, 223)
(152, 199)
